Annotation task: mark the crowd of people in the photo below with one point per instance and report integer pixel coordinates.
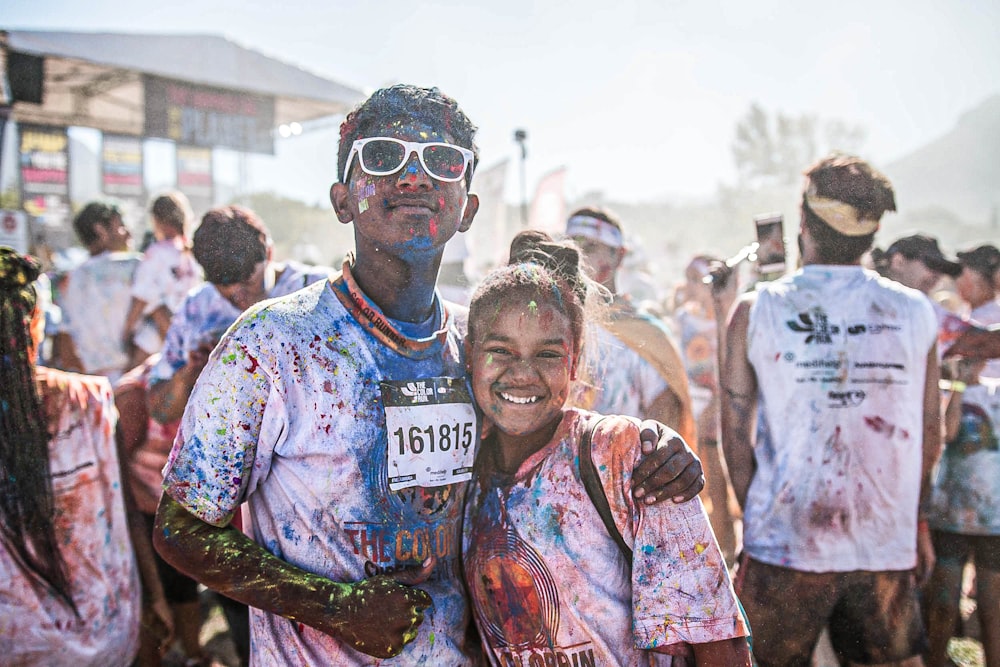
(364, 471)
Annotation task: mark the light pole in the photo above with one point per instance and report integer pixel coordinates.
(520, 136)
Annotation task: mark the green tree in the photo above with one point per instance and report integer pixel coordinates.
(773, 149)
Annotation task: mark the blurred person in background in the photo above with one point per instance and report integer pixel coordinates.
(631, 364)
(976, 285)
(915, 261)
(695, 321)
(830, 428)
(964, 513)
(167, 272)
(234, 248)
(96, 295)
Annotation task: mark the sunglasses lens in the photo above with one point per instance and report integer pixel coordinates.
(382, 157)
(444, 162)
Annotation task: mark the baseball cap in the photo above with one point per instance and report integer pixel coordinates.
(925, 248)
(985, 259)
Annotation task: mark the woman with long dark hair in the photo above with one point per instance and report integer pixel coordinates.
(69, 589)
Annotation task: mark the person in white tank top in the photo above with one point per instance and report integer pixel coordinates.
(829, 428)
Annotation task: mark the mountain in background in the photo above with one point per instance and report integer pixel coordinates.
(949, 188)
(957, 173)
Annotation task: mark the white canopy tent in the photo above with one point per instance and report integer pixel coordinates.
(96, 79)
(200, 92)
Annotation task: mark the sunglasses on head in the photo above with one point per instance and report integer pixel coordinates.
(381, 156)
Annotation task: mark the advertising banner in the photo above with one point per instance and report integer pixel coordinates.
(44, 159)
(121, 165)
(209, 117)
(14, 230)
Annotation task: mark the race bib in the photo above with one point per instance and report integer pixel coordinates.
(432, 432)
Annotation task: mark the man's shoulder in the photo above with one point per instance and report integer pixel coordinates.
(201, 295)
(295, 276)
(299, 309)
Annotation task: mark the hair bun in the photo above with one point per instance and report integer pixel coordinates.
(539, 248)
(562, 259)
(17, 270)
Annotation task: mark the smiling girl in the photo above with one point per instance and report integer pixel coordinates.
(549, 581)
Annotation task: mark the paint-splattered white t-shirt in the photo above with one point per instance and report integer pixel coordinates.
(840, 356)
(92, 531)
(205, 315)
(94, 306)
(348, 435)
(966, 493)
(550, 586)
(164, 277)
(615, 378)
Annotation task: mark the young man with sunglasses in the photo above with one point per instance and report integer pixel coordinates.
(342, 416)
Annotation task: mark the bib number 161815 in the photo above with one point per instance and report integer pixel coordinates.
(441, 439)
(432, 432)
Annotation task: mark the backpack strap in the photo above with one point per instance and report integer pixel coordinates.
(592, 483)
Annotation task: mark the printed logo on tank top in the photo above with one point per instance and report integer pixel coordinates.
(815, 323)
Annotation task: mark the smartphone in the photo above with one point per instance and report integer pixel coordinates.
(771, 243)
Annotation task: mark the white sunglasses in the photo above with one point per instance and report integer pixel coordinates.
(381, 156)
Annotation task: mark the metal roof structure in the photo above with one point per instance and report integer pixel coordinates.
(97, 79)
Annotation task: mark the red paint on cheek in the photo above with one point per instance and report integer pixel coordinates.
(433, 227)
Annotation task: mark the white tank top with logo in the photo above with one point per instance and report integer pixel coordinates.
(840, 358)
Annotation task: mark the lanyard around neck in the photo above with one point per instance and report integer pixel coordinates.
(367, 312)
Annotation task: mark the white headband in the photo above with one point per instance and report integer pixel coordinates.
(841, 216)
(596, 229)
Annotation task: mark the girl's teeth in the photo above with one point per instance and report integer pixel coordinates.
(518, 399)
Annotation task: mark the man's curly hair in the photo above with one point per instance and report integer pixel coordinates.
(427, 105)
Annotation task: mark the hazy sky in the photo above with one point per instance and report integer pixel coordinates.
(638, 99)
